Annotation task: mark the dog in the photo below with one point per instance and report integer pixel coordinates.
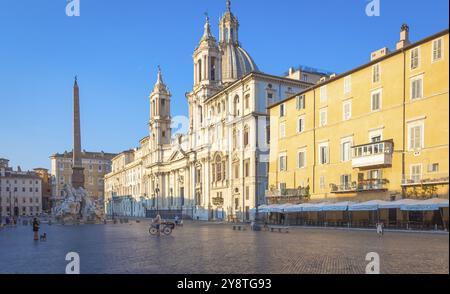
(43, 237)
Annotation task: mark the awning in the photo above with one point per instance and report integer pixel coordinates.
(427, 205)
(340, 206)
(367, 206)
(397, 204)
(310, 207)
(293, 208)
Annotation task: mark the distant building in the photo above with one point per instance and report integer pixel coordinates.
(46, 187)
(95, 164)
(20, 191)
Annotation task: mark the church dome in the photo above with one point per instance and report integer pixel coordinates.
(236, 62)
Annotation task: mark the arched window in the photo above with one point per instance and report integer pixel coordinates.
(236, 106)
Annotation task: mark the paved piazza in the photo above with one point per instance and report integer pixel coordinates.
(215, 248)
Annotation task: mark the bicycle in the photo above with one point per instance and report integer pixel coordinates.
(166, 229)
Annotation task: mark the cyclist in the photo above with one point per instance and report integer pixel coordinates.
(157, 223)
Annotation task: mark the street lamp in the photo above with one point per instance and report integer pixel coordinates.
(157, 196)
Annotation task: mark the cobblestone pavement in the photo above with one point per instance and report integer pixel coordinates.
(200, 248)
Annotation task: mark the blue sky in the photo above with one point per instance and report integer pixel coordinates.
(115, 46)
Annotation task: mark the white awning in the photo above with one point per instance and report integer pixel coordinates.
(313, 207)
(427, 205)
(397, 204)
(340, 206)
(293, 208)
(367, 206)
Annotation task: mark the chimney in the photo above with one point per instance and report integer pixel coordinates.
(404, 37)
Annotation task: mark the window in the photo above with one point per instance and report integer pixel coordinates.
(61, 166)
(200, 70)
(376, 73)
(236, 170)
(437, 50)
(213, 69)
(269, 98)
(323, 94)
(282, 130)
(304, 77)
(218, 168)
(347, 110)
(416, 173)
(247, 101)
(346, 181)
(433, 168)
(246, 136)
(323, 154)
(247, 168)
(322, 182)
(247, 193)
(376, 101)
(301, 124)
(414, 58)
(301, 102)
(323, 117)
(417, 88)
(416, 136)
(346, 147)
(283, 162)
(347, 84)
(376, 135)
(301, 158)
(282, 110)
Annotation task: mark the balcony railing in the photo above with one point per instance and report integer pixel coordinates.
(362, 186)
(425, 179)
(276, 196)
(372, 154)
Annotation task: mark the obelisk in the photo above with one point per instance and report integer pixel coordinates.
(77, 166)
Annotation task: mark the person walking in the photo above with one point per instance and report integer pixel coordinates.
(380, 230)
(36, 229)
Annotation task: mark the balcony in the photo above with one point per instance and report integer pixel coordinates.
(426, 179)
(362, 186)
(292, 196)
(377, 154)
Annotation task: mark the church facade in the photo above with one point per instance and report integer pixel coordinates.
(218, 169)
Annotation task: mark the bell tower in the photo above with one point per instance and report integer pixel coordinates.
(160, 119)
(207, 59)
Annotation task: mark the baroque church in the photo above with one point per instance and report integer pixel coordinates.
(218, 170)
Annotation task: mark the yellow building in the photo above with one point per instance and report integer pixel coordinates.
(379, 131)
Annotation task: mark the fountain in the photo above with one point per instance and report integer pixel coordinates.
(78, 207)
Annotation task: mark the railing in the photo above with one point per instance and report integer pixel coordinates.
(425, 179)
(275, 196)
(372, 184)
(343, 188)
(362, 186)
(379, 153)
(385, 147)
